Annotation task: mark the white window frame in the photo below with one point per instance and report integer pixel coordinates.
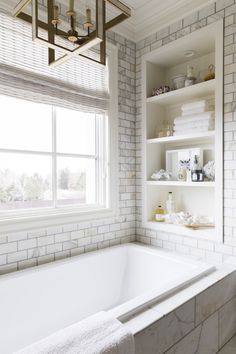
(47, 217)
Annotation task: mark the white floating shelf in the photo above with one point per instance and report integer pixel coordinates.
(181, 184)
(185, 138)
(202, 89)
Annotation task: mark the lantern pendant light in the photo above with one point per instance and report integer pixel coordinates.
(81, 38)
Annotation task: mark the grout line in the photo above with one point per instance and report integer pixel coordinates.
(225, 345)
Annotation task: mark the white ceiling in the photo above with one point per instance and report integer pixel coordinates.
(135, 4)
(148, 16)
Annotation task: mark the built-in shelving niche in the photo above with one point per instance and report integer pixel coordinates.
(158, 67)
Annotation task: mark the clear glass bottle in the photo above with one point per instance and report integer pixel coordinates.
(160, 214)
(170, 204)
(169, 131)
(190, 79)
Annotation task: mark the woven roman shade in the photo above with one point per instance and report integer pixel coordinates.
(24, 72)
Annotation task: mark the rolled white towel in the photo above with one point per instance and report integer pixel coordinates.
(97, 334)
(202, 104)
(195, 117)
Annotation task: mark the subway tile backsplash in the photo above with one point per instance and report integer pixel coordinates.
(33, 247)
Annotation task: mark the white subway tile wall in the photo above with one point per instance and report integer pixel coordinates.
(27, 249)
(34, 247)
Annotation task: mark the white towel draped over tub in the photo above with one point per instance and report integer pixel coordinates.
(97, 334)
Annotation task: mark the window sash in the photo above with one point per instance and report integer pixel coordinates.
(101, 164)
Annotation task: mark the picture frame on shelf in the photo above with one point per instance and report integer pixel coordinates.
(174, 158)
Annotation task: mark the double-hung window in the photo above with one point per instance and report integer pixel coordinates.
(55, 131)
(51, 156)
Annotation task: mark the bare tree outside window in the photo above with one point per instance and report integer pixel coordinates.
(36, 172)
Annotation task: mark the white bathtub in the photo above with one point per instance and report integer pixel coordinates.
(37, 302)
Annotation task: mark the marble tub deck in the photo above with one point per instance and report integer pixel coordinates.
(199, 319)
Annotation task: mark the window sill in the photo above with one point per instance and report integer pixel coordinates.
(51, 218)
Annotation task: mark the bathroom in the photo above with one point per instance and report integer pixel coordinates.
(145, 284)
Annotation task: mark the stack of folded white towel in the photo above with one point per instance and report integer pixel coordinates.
(195, 118)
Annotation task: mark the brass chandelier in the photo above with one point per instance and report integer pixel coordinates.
(90, 36)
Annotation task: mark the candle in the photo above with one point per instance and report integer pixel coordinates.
(88, 22)
(56, 12)
(71, 5)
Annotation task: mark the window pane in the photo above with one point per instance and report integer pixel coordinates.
(76, 181)
(25, 181)
(25, 125)
(75, 132)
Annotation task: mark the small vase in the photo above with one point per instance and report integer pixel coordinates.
(182, 175)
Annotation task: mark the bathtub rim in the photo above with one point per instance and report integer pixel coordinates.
(129, 245)
(141, 302)
(73, 259)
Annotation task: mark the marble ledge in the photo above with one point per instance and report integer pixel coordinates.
(142, 320)
(167, 331)
(214, 297)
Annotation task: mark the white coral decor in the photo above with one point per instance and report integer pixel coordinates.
(209, 170)
(161, 175)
